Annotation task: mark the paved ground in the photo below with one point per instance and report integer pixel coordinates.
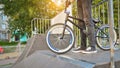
(48, 59)
(8, 59)
(89, 59)
(9, 55)
(37, 54)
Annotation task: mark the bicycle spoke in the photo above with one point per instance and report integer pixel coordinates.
(102, 37)
(58, 44)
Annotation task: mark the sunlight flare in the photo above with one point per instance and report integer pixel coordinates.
(58, 2)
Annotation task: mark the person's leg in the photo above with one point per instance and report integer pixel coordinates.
(81, 24)
(86, 4)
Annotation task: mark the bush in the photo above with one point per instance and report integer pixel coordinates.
(4, 43)
(23, 42)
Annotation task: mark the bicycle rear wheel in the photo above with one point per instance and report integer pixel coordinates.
(58, 44)
(102, 37)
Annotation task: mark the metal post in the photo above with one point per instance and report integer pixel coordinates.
(119, 19)
(111, 23)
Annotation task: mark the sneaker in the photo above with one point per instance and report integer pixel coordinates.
(89, 50)
(77, 50)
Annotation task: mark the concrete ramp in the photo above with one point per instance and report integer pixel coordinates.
(41, 60)
(37, 55)
(37, 42)
(48, 59)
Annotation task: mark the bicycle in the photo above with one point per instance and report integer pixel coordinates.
(60, 37)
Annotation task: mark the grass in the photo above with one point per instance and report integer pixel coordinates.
(10, 46)
(6, 43)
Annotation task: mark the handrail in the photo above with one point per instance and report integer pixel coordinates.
(99, 3)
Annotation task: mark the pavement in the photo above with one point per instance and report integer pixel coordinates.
(36, 54)
(9, 55)
(8, 58)
(91, 60)
(48, 59)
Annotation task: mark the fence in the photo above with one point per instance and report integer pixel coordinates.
(39, 25)
(100, 11)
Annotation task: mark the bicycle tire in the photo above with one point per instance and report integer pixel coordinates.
(101, 37)
(56, 44)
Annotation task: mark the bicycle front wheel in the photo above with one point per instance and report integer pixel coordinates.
(54, 40)
(102, 37)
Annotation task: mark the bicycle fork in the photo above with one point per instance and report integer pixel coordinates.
(65, 24)
(64, 27)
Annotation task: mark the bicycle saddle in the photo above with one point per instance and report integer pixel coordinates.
(96, 20)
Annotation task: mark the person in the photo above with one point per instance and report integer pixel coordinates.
(84, 12)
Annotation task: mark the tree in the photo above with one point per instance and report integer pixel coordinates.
(21, 12)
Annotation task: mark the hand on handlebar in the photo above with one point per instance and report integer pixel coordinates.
(67, 3)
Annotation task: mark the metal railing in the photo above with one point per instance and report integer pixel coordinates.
(39, 25)
(100, 11)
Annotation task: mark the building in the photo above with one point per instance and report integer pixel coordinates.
(3, 25)
(4, 31)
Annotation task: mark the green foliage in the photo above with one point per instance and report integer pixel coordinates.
(101, 12)
(4, 43)
(21, 12)
(7, 43)
(23, 43)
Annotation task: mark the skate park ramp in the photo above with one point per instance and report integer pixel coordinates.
(37, 42)
(37, 55)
